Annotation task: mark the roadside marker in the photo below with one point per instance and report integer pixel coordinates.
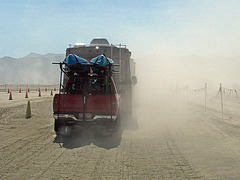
(10, 96)
(26, 96)
(28, 111)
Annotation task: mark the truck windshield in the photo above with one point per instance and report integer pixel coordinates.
(88, 86)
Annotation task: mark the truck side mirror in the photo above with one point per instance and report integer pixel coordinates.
(121, 91)
(134, 80)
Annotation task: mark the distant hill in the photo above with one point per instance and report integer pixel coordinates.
(32, 69)
(181, 70)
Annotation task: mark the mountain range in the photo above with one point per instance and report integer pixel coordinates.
(32, 69)
(38, 69)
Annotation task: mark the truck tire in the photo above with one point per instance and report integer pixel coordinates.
(57, 126)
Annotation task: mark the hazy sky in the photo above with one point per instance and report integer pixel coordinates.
(168, 27)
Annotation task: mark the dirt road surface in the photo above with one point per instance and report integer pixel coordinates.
(169, 140)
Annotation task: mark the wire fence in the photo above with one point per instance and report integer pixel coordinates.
(226, 100)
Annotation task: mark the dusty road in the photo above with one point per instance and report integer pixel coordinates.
(170, 141)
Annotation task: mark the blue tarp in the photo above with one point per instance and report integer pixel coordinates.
(73, 59)
(101, 60)
(77, 64)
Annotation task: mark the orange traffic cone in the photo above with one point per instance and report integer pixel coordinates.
(26, 96)
(8, 91)
(20, 90)
(39, 95)
(10, 96)
(51, 93)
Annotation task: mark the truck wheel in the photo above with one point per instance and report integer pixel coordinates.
(57, 126)
(116, 128)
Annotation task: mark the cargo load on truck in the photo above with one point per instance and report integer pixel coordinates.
(75, 64)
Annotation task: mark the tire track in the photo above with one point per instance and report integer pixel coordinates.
(5, 114)
(51, 165)
(182, 163)
(21, 159)
(97, 172)
(3, 111)
(56, 159)
(25, 124)
(43, 128)
(10, 116)
(20, 150)
(215, 121)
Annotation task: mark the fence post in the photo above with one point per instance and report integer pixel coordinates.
(205, 96)
(221, 99)
(176, 91)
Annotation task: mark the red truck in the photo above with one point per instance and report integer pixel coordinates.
(87, 104)
(91, 98)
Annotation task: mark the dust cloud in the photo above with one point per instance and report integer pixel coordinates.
(162, 82)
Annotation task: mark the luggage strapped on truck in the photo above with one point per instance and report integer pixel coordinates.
(94, 70)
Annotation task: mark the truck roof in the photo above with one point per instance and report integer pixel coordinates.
(95, 42)
(100, 41)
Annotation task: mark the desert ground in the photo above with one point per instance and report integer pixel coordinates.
(168, 138)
